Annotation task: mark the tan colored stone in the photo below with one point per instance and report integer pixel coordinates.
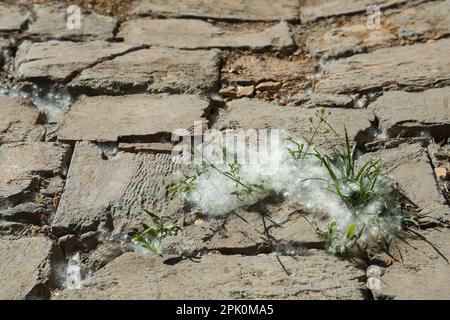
(29, 268)
(413, 67)
(441, 173)
(247, 10)
(313, 10)
(111, 194)
(346, 40)
(51, 23)
(23, 164)
(11, 18)
(108, 118)
(268, 86)
(420, 22)
(318, 100)
(428, 20)
(414, 113)
(197, 34)
(254, 114)
(247, 91)
(249, 69)
(61, 60)
(244, 232)
(314, 276)
(153, 70)
(18, 121)
(423, 273)
(229, 92)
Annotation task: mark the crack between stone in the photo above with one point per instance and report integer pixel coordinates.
(76, 73)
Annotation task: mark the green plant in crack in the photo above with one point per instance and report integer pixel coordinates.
(350, 202)
(356, 187)
(151, 237)
(376, 214)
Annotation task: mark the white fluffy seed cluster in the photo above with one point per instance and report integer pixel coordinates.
(304, 182)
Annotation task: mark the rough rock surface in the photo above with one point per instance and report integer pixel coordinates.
(254, 114)
(414, 113)
(417, 67)
(429, 19)
(62, 60)
(18, 121)
(317, 100)
(29, 267)
(152, 70)
(347, 40)
(24, 214)
(24, 165)
(51, 23)
(197, 34)
(423, 274)
(328, 8)
(314, 276)
(110, 194)
(108, 119)
(247, 10)
(250, 69)
(258, 229)
(11, 18)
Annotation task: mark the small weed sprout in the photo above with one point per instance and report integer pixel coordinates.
(151, 238)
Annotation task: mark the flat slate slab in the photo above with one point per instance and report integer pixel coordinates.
(415, 67)
(424, 22)
(108, 118)
(254, 114)
(61, 60)
(347, 40)
(110, 194)
(29, 268)
(18, 121)
(22, 165)
(51, 23)
(11, 18)
(314, 10)
(152, 70)
(414, 113)
(315, 276)
(430, 19)
(197, 34)
(423, 273)
(241, 233)
(243, 10)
